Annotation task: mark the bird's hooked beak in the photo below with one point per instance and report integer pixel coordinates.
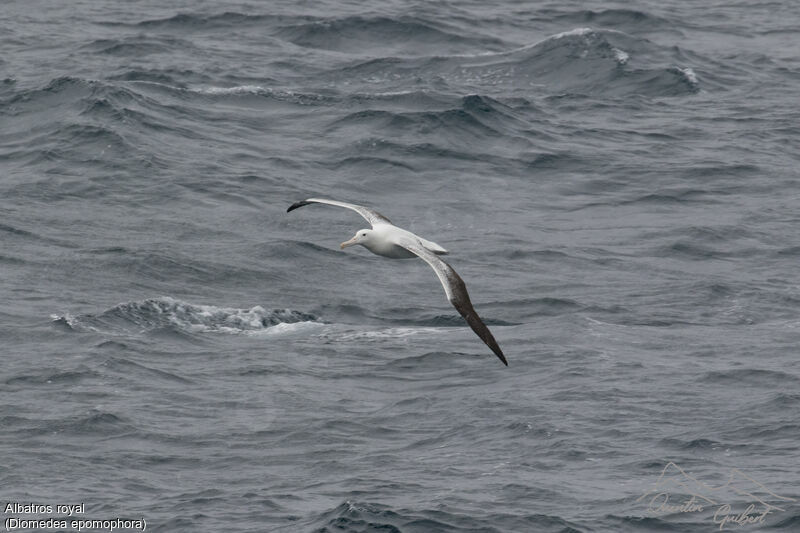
(351, 242)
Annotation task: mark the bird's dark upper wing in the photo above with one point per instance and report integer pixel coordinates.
(456, 292)
(372, 216)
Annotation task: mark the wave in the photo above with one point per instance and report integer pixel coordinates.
(359, 33)
(400, 332)
(50, 376)
(475, 117)
(159, 77)
(579, 61)
(94, 422)
(630, 19)
(597, 61)
(694, 444)
(103, 125)
(192, 21)
(300, 98)
(237, 89)
(171, 314)
(752, 377)
(366, 516)
(351, 33)
(137, 46)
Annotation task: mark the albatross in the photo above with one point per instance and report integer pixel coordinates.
(387, 240)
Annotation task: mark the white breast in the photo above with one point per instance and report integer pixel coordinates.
(383, 239)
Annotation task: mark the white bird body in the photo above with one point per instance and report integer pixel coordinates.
(383, 239)
(387, 240)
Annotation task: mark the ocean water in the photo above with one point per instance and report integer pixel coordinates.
(617, 183)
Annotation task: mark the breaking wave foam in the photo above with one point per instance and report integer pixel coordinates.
(167, 312)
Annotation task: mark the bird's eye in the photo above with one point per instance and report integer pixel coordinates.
(363, 234)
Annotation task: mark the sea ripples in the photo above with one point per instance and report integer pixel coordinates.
(615, 187)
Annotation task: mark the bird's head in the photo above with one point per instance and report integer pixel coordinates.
(361, 237)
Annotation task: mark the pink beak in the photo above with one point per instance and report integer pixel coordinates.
(351, 242)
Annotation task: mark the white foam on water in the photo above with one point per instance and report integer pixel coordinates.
(163, 311)
(621, 56)
(389, 333)
(285, 328)
(241, 89)
(576, 31)
(689, 74)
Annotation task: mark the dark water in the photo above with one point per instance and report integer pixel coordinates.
(617, 183)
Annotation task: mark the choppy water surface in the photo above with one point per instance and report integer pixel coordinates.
(617, 183)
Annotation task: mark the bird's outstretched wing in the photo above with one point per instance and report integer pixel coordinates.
(456, 292)
(372, 216)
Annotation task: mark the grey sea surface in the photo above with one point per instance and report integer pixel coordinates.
(617, 183)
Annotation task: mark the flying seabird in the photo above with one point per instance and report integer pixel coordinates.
(388, 240)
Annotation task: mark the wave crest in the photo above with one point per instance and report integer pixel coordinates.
(170, 313)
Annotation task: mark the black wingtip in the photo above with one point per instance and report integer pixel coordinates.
(502, 357)
(492, 344)
(295, 205)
